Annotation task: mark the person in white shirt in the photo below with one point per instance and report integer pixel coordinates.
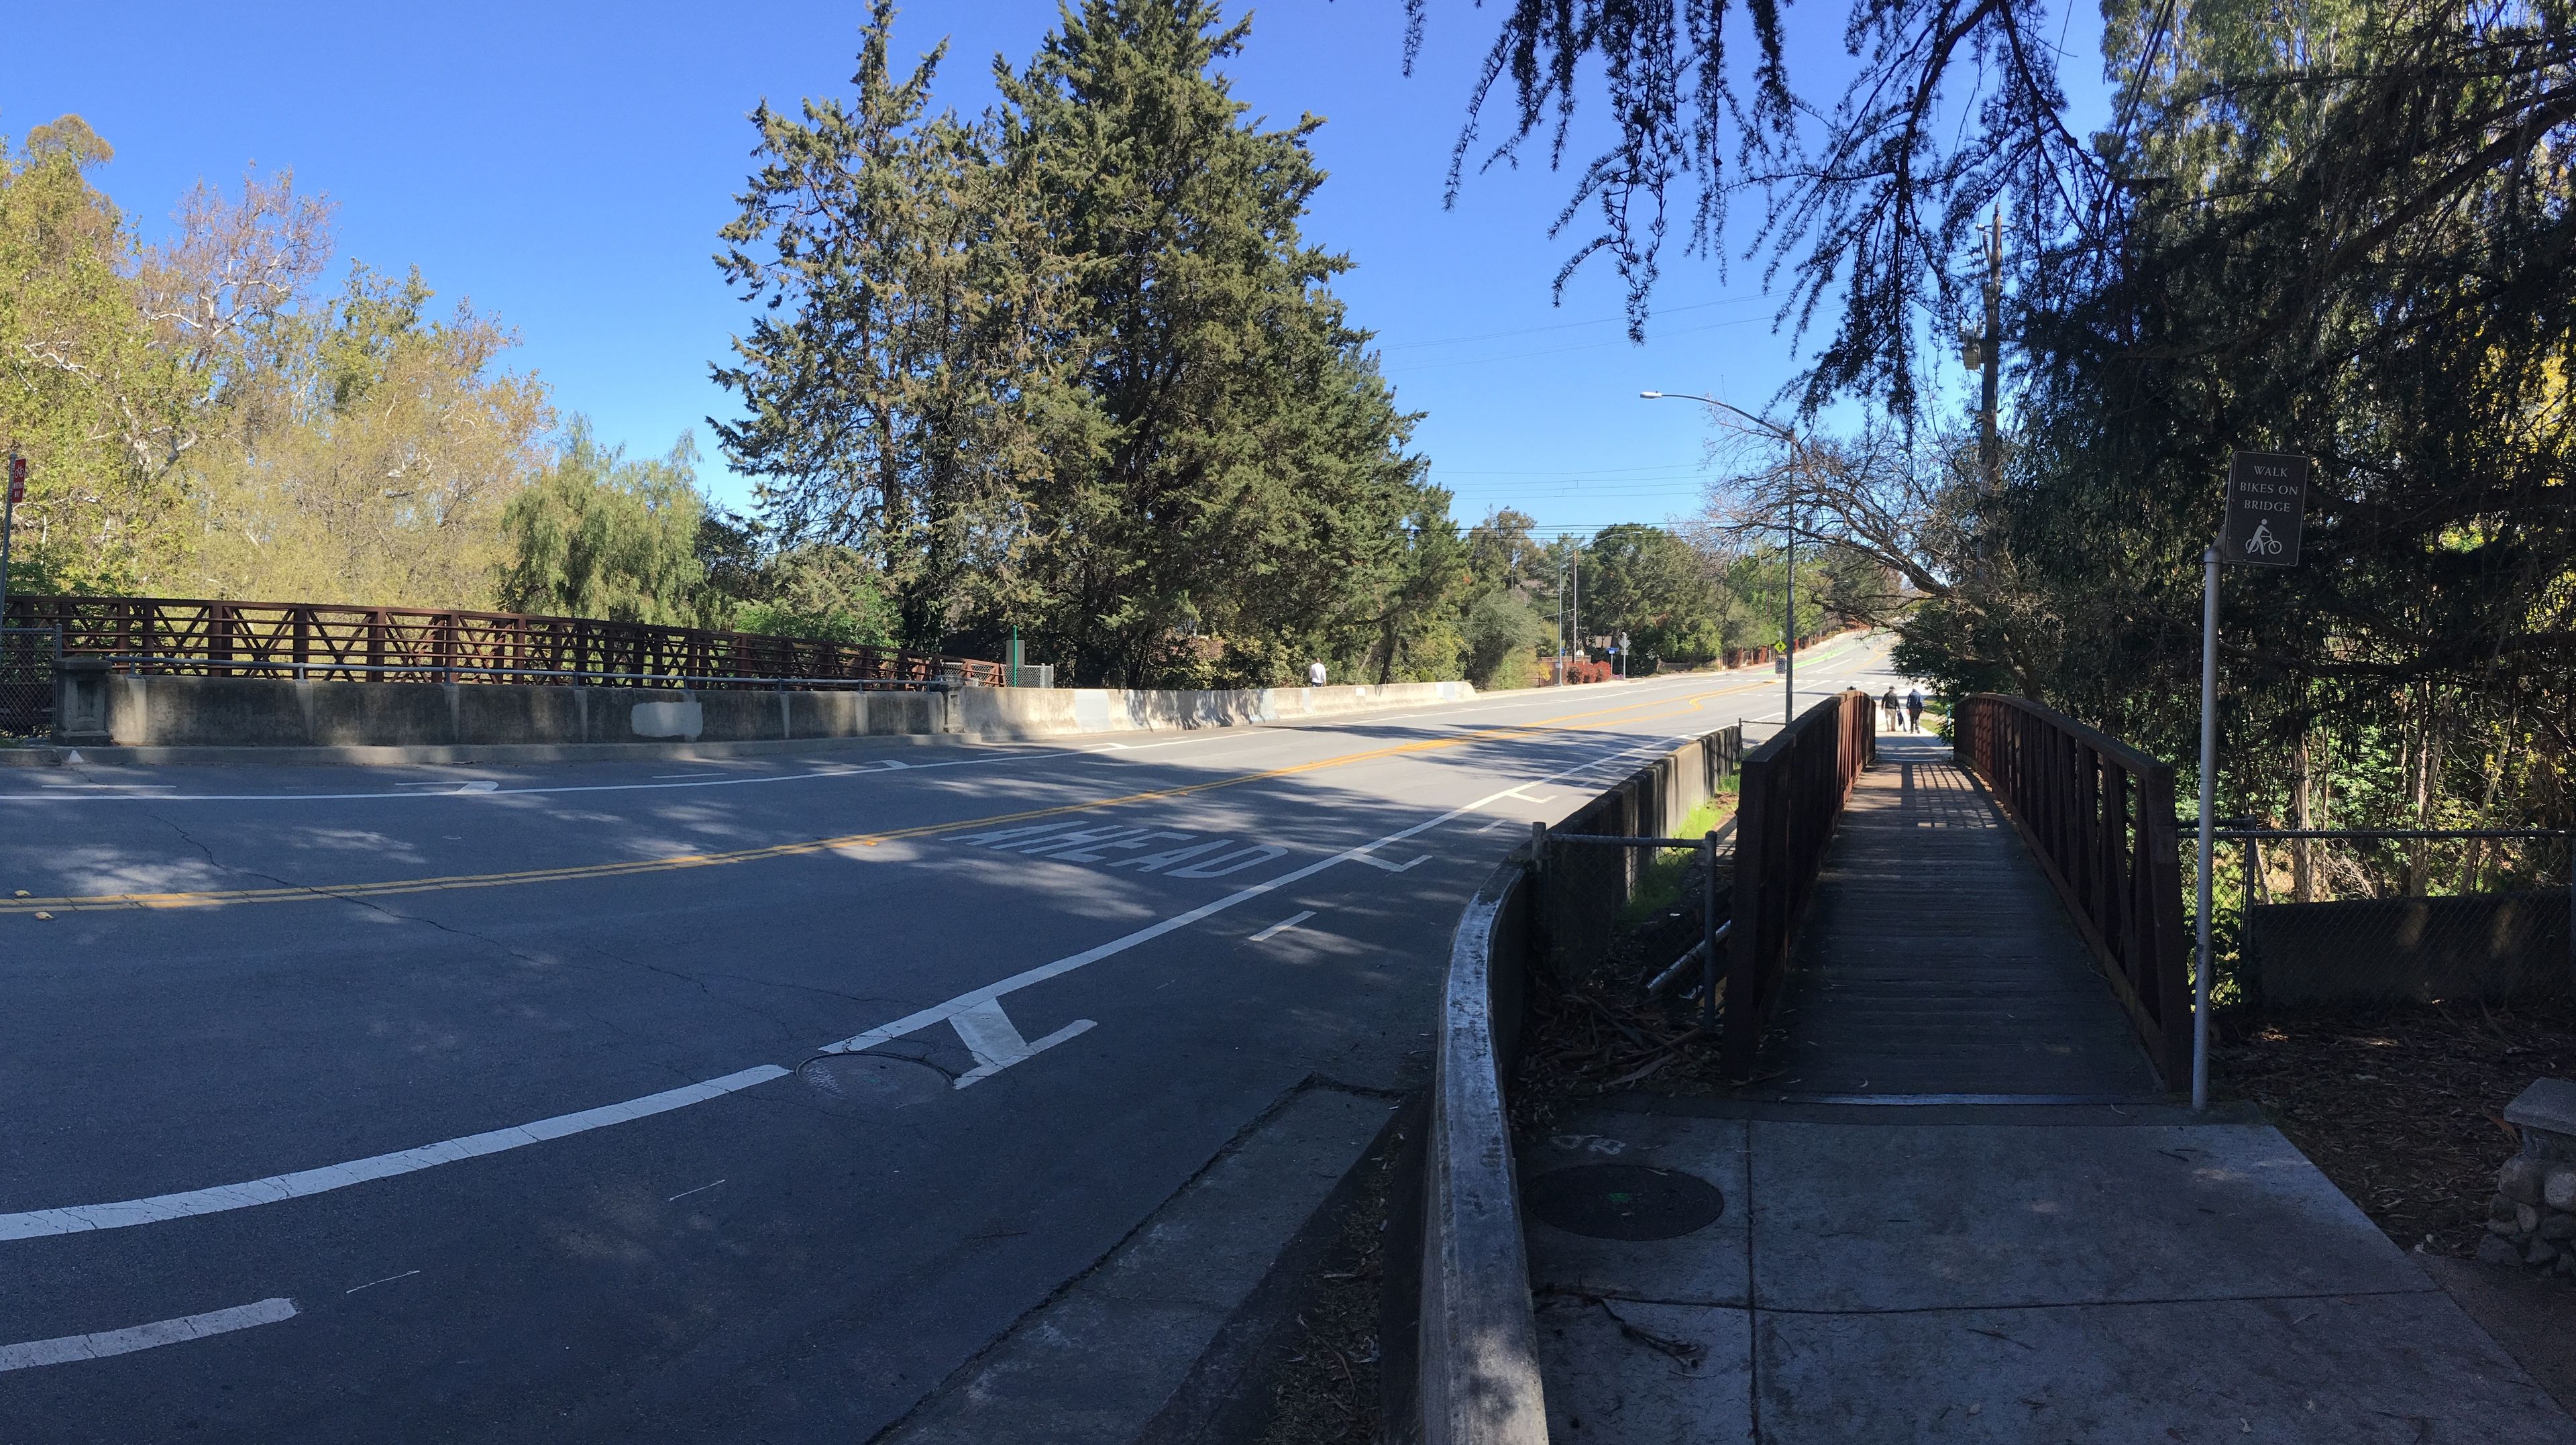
(1314, 674)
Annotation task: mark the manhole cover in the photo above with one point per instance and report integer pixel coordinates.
(874, 1080)
(1623, 1201)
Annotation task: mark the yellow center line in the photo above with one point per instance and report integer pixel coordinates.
(346, 891)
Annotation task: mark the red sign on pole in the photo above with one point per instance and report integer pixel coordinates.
(17, 479)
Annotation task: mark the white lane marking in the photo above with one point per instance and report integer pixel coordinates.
(277, 1188)
(943, 1012)
(388, 1279)
(1375, 861)
(664, 776)
(55, 792)
(685, 1193)
(1489, 827)
(100, 1346)
(1282, 926)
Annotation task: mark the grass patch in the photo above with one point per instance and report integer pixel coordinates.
(1659, 884)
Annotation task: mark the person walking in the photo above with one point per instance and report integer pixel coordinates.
(1315, 674)
(1914, 710)
(1895, 710)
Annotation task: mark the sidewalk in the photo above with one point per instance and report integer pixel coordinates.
(2033, 1246)
(1987, 1273)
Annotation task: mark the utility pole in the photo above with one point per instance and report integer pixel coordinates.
(1990, 352)
(1789, 647)
(1789, 627)
(1560, 620)
(9, 524)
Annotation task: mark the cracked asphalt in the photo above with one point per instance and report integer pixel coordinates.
(786, 1262)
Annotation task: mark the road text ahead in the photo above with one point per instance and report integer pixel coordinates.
(1147, 850)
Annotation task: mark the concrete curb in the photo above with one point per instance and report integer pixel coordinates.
(1228, 1393)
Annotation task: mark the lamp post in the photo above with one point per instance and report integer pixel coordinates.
(1789, 626)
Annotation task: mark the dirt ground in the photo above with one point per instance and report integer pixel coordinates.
(1327, 1391)
(2403, 1108)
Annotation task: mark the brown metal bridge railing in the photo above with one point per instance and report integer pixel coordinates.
(1790, 796)
(317, 641)
(2099, 816)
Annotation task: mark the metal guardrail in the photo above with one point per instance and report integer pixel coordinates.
(180, 635)
(2098, 814)
(1791, 795)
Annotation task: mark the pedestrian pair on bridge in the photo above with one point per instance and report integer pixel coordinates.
(1906, 716)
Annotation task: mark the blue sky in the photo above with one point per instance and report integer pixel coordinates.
(566, 166)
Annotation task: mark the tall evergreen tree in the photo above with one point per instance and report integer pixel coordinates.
(1224, 460)
(882, 379)
(1073, 369)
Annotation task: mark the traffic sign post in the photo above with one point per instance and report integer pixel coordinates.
(2267, 509)
(2267, 506)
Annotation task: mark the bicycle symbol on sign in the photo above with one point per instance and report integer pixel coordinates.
(2263, 543)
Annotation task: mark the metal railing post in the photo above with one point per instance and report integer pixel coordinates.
(1709, 967)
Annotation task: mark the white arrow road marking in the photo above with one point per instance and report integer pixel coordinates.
(995, 1041)
(100, 1346)
(278, 1188)
(1375, 861)
(1282, 926)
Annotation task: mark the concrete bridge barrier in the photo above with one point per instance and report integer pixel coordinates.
(98, 707)
(1458, 1337)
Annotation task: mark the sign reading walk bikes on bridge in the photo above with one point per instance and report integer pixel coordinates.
(2267, 505)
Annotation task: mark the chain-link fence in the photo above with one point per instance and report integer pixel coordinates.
(27, 658)
(2341, 917)
(1632, 915)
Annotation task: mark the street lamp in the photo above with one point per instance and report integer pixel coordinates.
(1789, 629)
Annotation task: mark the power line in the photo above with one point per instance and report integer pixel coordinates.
(1412, 367)
(1572, 472)
(1561, 325)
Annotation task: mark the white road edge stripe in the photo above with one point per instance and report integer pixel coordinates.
(278, 1188)
(100, 1346)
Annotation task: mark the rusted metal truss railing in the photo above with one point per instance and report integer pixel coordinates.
(2099, 816)
(320, 641)
(1791, 795)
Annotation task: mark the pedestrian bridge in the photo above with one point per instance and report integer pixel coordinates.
(1955, 1194)
(1897, 923)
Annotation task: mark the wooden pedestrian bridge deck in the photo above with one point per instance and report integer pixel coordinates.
(1936, 961)
(1914, 923)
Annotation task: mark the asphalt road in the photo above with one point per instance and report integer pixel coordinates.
(725, 1100)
